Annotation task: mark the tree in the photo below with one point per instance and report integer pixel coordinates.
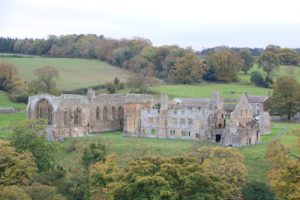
(248, 60)
(188, 69)
(269, 61)
(96, 152)
(226, 65)
(226, 163)
(209, 173)
(258, 79)
(9, 79)
(285, 99)
(111, 87)
(30, 135)
(284, 172)
(289, 57)
(13, 192)
(257, 191)
(16, 168)
(141, 82)
(45, 80)
(38, 191)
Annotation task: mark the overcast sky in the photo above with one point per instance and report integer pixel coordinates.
(196, 23)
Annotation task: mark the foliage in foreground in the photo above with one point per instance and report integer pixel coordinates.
(284, 172)
(209, 173)
(30, 135)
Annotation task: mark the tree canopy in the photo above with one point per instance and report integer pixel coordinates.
(285, 99)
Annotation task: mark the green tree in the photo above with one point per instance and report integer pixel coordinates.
(188, 69)
(289, 57)
(269, 62)
(96, 152)
(248, 60)
(15, 168)
(226, 65)
(45, 81)
(38, 191)
(209, 173)
(9, 79)
(258, 79)
(285, 99)
(255, 190)
(30, 135)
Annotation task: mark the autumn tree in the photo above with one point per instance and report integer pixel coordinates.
(9, 79)
(188, 69)
(269, 62)
(225, 64)
(283, 174)
(30, 136)
(285, 99)
(226, 163)
(209, 173)
(141, 82)
(45, 81)
(248, 60)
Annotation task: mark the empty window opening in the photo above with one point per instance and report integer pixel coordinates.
(44, 110)
(97, 113)
(77, 117)
(218, 138)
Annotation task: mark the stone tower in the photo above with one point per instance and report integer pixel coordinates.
(243, 112)
(163, 118)
(218, 116)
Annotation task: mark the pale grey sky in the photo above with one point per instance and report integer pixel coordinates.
(253, 23)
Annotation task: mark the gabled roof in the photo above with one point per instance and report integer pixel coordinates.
(256, 99)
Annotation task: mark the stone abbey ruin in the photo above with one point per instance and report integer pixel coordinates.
(236, 124)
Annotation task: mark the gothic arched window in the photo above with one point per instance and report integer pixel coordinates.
(97, 113)
(44, 110)
(77, 117)
(105, 113)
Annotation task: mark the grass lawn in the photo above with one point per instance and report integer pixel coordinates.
(282, 71)
(5, 102)
(74, 73)
(230, 90)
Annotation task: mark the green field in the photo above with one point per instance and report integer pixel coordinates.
(74, 73)
(282, 71)
(206, 90)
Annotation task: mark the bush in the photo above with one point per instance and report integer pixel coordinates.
(19, 97)
(258, 79)
(257, 191)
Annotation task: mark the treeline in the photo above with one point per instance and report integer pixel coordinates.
(169, 63)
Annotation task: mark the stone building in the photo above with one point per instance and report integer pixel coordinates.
(137, 115)
(206, 122)
(76, 115)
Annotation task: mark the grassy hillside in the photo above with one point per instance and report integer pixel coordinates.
(74, 73)
(231, 90)
(282, 71)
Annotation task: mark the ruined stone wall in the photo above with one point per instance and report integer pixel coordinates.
(178, 123)
(242, 113)
(264, 121)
